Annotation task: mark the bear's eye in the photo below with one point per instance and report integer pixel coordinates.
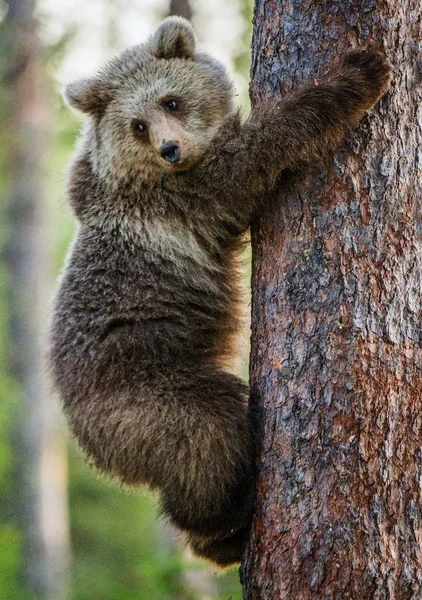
(171, 105)
(139, 127)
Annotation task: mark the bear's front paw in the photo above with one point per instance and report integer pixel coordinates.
(369, 71)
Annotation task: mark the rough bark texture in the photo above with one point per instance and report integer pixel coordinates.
(336, 364)
(39, 486)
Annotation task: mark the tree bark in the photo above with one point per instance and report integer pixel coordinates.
(336, 360)
(39, 485)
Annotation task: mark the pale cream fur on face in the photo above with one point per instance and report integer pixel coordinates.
(133, 86)
(121, 152)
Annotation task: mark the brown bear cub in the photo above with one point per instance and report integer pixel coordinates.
(165, 181)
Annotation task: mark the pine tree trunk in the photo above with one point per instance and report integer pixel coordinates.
(336, 363)
(39, 484)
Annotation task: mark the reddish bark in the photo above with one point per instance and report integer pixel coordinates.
(336, 363)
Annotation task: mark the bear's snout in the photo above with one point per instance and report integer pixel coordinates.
(170, 151)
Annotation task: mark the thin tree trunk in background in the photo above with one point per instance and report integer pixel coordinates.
(40, 473)
(180, 8)
(336, 363)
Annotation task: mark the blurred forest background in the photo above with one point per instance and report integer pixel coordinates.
(66, 534)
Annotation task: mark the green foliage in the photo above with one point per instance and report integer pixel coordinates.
(10, 561)
(119, 551)
(10, 536)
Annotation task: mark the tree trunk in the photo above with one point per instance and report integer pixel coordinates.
(39, 486)
(336, 362)
(180, 8)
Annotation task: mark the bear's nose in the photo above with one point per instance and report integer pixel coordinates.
(170, 151)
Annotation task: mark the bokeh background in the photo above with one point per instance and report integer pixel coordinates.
(66, 533)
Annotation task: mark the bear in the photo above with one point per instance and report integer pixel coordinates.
(166, 179)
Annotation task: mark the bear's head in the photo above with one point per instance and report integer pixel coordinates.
(154, 108)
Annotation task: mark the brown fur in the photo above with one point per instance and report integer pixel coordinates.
(147, 307)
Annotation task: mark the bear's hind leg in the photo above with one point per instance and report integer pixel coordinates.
(223, 552)
(208, 487)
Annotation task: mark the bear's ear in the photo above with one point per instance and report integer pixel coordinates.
(174, 38)
(89, 95)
